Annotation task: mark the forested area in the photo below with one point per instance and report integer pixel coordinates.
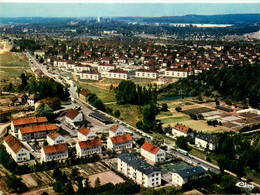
(236, 83)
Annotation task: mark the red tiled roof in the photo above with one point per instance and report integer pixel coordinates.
(177, 69)
(72, 114)
(26, 121)
(114, 128)
(181, 128)
(90, 143)
(121, 139)
(90, 72)
(150, 147)
(53, 135)
(83, 130)
(118, 71)
(55, 148)
(20, 95)
(37, 128)
(14, 143)
(145, 70)
(85, 92)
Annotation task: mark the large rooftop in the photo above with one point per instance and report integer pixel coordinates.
(137, 163)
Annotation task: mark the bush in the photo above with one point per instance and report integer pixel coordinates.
(117, 113)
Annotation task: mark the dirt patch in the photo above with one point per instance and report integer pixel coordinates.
(106, 177)
(37, 179)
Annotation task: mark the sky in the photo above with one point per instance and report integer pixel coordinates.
(111, 9)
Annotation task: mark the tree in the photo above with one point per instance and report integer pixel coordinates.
(126, 92)
(227, 181)
(182, 142)
(74, 172)
(87, 184)
(178, 108)
(68, 188)
(44, 110)
(164, 107)
(157, 140)
(117, 114)
(139, 125)
(58, 186)
(24, 81)
(103, 137)
(15, 184)
(57, 174)
(97, 182)
(168, 129)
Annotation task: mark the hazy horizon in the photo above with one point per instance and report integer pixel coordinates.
(80, 10)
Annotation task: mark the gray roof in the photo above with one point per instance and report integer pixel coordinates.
(137, 163)
(100, 117)
(207, 137)
(191, 171)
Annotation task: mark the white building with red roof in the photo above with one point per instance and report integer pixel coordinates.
(54, 138)
(152, 153)
(92, 75)
(81, 67)
(16, 149)
(36, 131)
(149, 74)
(181, 130)
(177, 72)
(55, 152)
(115, 131)
(60, 63)
(120, 142)
(89, 147)
(73, 116)
(25, 122)
(118, 74)
(105, 67)
(85, 133)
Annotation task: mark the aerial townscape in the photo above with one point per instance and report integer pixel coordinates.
(129, 104)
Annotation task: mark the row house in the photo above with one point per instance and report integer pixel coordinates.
(176, 72)
(55, 152)
(72, 117)
(85, 133)
(36, 132)
(39, 53)
(89, 147)
(139, 170)
(16, 149)
(60, 63)
(71, 65)
(120, 142)
(184, 175)
(150, 74)
(81, 67)
(118, 74)
(92, 75)
(181, 130)
(25, 122)
(105, 67)
(54, 138)
(152, 153)
(205, 140)
(115, 131)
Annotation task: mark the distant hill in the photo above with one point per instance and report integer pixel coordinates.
(207, 19)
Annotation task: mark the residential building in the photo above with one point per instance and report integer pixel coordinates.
(39, 53)
(83, 94)
(21, 97)
(72, 117)
(31, 100)
(120, 142)
(115, 131)
(36, 132)
(81, 67)
(181, 130)
(55, 152)
(118, 74)
(149, 74)
(139, 170)
(25, 122)
(204, 140)
(152, 153)
(177, 72)
(184, 175)
(89, 147)
(85, 133)
(92, 75)
(105, 67)
(54, 138)
(16, 149)
(60, 63)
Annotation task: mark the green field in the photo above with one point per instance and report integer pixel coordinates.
(12, 65)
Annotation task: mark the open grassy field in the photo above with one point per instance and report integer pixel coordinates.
(12, 65)
(102, 92)
(129, 113)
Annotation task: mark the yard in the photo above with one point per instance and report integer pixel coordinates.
(173, 166)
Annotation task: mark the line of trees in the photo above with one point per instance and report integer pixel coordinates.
(238, 83)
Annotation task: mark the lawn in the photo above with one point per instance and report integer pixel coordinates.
(175, 166)
(13, 64)
(129, 113)
(102, 92)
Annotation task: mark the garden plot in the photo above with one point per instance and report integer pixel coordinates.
(33, 180)
(106, 177)
(197, 111)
